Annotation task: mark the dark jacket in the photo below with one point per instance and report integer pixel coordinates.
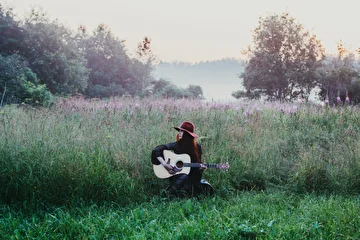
(195, 173)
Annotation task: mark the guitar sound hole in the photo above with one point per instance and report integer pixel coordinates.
(179, 164)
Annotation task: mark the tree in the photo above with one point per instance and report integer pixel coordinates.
(107, 60)
(19, 84)
(140, 81)
(165, 88)
(11, 34)
(338, 78)
(142, 67)
(159, 85)
(194, 91)
(255, 94)
(53, 54)
(282, 64)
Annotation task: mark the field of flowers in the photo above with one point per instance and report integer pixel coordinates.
(98, 152)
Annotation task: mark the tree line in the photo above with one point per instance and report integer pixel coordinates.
(286, 63)
(41, 58)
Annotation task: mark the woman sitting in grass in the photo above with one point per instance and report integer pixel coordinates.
(182, 185)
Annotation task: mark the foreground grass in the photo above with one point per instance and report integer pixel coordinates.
(248, 215)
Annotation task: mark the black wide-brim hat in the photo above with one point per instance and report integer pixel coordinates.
(187, 127)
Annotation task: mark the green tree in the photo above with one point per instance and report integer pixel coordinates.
(282, 64)
(108, 61)
(165, 88)
(53, 54)
(11, 34)
(19, 84)
(338, 78)
(159, 85)
(140, 81)
(194, 91)
(142, 67)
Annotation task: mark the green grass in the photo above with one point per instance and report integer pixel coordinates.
(248, 215)
(82, 169)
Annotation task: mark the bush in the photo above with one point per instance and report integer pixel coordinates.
(99, 91)
(18, 84)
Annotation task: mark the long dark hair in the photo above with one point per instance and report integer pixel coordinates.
(188, 145)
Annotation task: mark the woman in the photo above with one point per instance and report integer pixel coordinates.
(182, 184)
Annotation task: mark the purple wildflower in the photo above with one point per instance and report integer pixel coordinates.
(247, 112)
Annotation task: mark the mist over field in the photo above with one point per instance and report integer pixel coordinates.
(218, 79)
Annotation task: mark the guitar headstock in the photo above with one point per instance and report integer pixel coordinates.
(224, 166)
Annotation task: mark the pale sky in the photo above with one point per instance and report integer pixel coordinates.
(200, 30)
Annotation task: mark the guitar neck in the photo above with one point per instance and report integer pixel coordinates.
(197, 165)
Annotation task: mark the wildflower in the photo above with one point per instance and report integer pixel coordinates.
(247, 112)
(338, 99)
(347, 99)
(293, 110)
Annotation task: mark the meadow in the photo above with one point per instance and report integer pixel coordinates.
(81, 169)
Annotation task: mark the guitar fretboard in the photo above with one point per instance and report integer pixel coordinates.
(197, 165)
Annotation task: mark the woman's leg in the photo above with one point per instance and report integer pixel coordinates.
(179, 185)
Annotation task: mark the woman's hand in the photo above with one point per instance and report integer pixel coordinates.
(169, 168)
(202, 167)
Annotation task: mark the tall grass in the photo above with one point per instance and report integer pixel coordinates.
(100, 151)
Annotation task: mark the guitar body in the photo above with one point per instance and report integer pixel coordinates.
(176, 160)
(182, 165)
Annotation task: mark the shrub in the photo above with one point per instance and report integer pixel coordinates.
(18, 84)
